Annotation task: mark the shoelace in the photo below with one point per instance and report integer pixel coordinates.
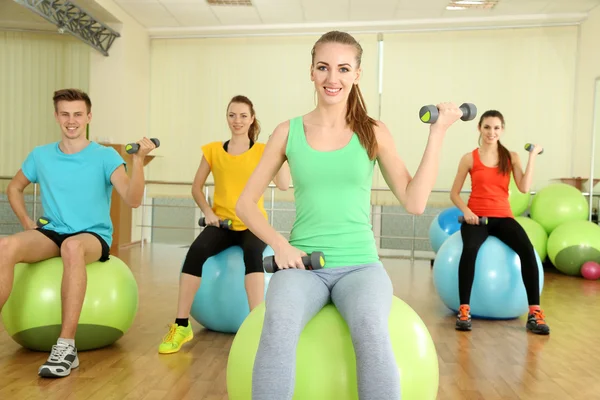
(539, 317)
(463, 313)
(59, 352)
(172, 331)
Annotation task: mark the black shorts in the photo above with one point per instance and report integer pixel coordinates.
(59, 238)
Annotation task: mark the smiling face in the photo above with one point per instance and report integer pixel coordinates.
(334, 71)
(73, 118)
(239, 118)
(491, 129)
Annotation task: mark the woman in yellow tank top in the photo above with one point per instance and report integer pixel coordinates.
(231, 164)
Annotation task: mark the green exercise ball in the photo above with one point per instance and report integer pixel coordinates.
(558, 203)
(573, 243)
(518, 200)
(536, 234)
(326, 363)
(32, 314)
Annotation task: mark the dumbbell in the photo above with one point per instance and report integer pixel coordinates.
(529, 147)
(315, 260)
(132, 148)
(42, 221)
(482, 220)
(225, 224)
(429, 114)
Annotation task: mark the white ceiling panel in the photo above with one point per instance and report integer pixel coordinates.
(191, 14)
(280, 11)
(558, 6)
(326, 10)
(236, 15)
(520, 7)
(404, 14)
(149, 13)
(373, 10)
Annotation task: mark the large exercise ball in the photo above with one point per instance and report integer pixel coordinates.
(558, 203)
(325, 358)
(221, 303)
(573, 243)
(443, 225)
(498, 291)
(518, 200)
(537, 235)
(32, 314)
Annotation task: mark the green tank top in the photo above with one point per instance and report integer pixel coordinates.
(332, 190)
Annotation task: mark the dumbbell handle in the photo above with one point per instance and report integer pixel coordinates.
(42, 221)
(429, 114)
(482, 220)
(225, 224)
(529, 147)
(315, 260)
(132, 148)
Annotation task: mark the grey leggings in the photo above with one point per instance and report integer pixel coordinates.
(362, 295)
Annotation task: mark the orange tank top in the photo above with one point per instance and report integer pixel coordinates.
(489, 190)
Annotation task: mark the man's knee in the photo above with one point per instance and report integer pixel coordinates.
(9, 248)
(72, 249)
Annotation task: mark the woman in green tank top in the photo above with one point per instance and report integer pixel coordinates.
(331, 153)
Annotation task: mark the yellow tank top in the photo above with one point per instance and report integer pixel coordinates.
(231, 173)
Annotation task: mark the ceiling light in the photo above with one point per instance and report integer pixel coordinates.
(467, 4)
(229, 2)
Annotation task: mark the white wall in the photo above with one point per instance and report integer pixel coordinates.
(120, 90)
(32, 67)
(527, 74)
(588, 69)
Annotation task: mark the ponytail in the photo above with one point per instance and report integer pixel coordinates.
(504, 159)
(360, 122)
(254, 130)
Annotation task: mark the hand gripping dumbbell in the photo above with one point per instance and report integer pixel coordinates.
(482, 220)
(429, 114)
(225, 224)
(315, 260)
(529, 147)
(132, 148)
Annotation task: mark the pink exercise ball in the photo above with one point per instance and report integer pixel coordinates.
(590, 270)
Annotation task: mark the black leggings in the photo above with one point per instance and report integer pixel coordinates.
(213, 240)
(510, 232)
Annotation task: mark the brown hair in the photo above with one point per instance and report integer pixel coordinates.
(356, 115)
(254, 129)
(72, 95)
(504, 158)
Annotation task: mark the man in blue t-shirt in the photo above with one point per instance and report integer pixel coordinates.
(76, 178)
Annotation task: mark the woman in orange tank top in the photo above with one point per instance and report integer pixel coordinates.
(490, 166)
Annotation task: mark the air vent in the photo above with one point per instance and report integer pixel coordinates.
(246, 3)
(470, 4)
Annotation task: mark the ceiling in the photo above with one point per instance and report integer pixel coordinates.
(16, 16)
(197, 17)
(166, 18)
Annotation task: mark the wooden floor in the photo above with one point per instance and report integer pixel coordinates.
(497, 360)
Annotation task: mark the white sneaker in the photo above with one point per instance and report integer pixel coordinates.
(62, 359)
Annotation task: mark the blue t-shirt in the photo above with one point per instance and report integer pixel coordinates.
(75, 188)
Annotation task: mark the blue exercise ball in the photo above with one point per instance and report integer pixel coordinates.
(443, 226)
(498, 291)
(221, 303)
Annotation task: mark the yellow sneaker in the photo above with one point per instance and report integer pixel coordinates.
(177, 336)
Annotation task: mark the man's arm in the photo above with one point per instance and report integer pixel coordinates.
(17, 200)
(131, 189)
